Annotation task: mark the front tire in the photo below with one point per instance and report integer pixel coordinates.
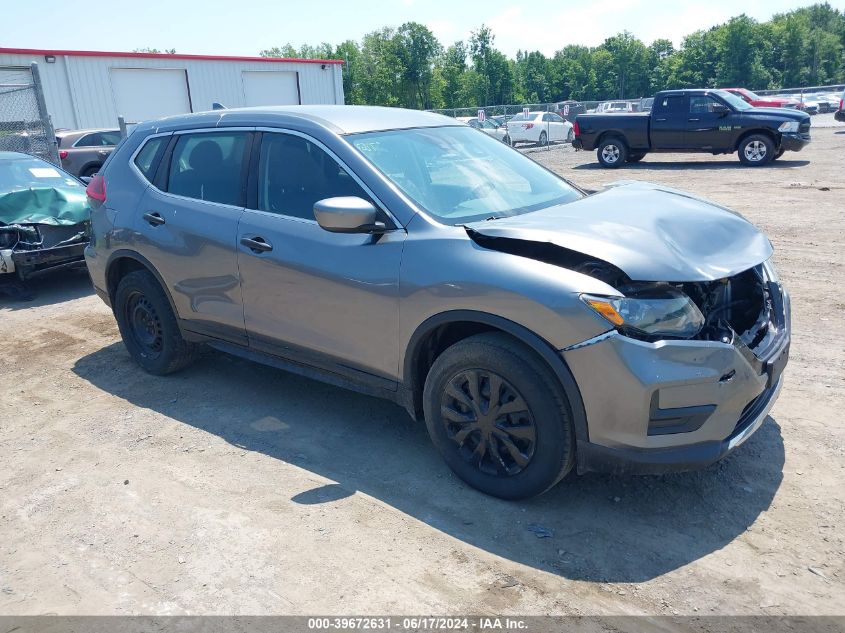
(756, 150)
(148, 325)
(544, 139)
(635, 158)
(612, 153)
(778, 154)
(499, 417)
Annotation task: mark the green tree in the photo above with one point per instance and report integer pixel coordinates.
(629, 65)
(381, 70)
(349, 52)
(494, 83)
(531, 73)
(409, 67)
(416, 48)
(166, 51)
(739, 53)
(452, 68)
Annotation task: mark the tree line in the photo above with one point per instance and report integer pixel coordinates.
(407, 66)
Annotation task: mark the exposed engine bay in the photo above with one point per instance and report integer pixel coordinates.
(28, 249)
(741, 307)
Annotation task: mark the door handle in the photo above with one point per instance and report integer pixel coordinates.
(660, 119)
(257, 244)
(154, 218)
(693, 119)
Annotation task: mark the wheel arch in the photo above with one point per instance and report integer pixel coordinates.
(89, 165)
(438, 332)
(607, 134)
(123, 262)
(775, 138)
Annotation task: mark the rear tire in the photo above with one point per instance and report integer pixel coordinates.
(507, 140)
(612, 152)
(148, 325)
(756, 150)
(89, 172)
(521, 449)
(570, 135)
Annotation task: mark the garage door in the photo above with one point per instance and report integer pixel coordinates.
(270, 87)
(141, 94)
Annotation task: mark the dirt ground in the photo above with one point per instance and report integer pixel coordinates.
(233, 488)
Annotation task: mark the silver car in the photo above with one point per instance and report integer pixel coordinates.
(535, 328)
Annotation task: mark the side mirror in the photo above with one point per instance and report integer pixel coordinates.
(347, 214)
(721, 109)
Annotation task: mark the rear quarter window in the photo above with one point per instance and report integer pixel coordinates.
(149, 157)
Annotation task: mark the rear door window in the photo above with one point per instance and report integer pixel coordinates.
(672, 104)
(99, 139)
(209, 166)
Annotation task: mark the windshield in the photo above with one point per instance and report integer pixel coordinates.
(737, 103)
(459, 176)
(25, 173)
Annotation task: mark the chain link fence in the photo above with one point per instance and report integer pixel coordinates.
(24, 122)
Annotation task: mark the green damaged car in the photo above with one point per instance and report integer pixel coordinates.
(44, 217)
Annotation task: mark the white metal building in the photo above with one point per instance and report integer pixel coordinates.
(88, 89)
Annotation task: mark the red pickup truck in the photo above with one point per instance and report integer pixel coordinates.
(765, 102)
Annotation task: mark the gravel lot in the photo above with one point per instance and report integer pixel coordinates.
(236, 488)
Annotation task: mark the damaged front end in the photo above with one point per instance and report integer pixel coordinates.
(43, 229)
(698, 325)
(28, 250)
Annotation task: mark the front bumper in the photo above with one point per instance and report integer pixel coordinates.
(794, 142)
(630, 461)
(673, 405)
(30, 263)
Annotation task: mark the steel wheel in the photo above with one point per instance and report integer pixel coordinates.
(544, 139)
(145, 324)
(755, 151)
(490, 422)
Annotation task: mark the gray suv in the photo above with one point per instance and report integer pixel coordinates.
(535, 328)
(83, 152)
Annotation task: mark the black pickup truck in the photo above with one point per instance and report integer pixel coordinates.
(711, 121)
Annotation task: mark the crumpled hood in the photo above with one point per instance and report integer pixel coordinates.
(44, 205)
(651, 233)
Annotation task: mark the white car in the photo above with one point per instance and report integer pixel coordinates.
(498, 132)
(609, 107)
(539, 127)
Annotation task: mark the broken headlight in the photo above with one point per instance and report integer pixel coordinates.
(654, 310)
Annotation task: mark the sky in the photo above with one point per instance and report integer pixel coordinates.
(245, 27)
